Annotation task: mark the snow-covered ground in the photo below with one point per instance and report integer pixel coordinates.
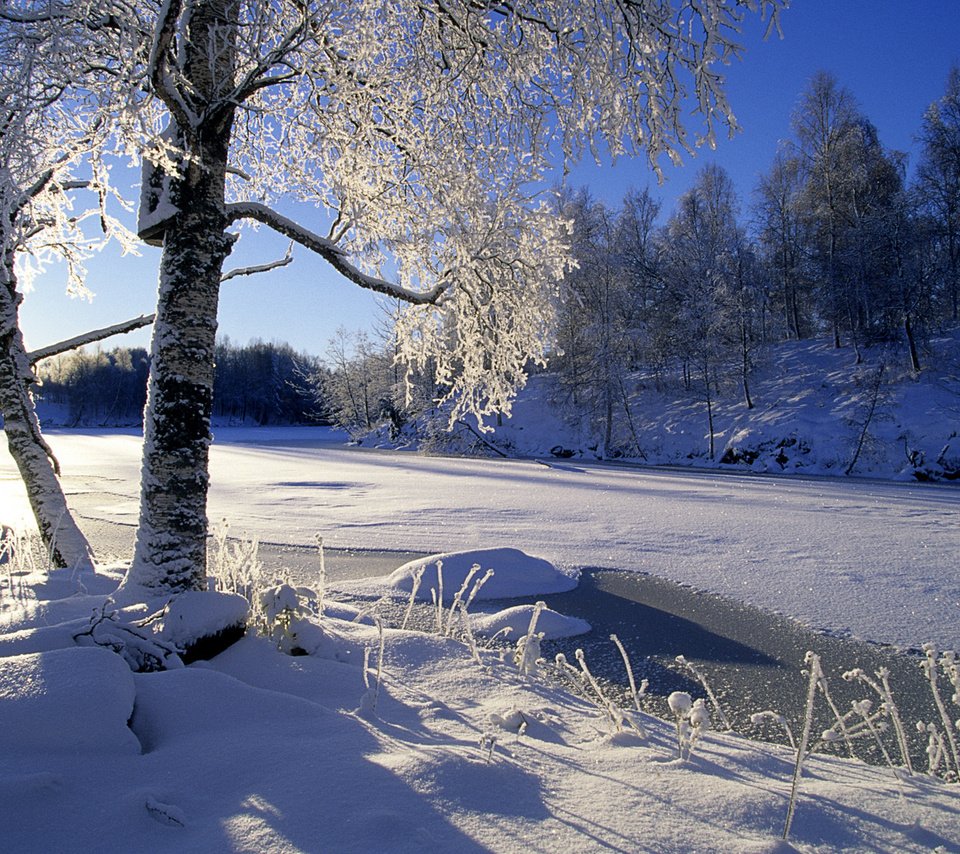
(815, 413)
(876, 560)
(259, 751)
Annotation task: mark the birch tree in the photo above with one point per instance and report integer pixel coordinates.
(47, 127)
(421, 131)
(938, 182)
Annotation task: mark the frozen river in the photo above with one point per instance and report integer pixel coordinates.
(876, 560)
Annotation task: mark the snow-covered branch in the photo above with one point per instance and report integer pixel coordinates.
(331, 253)
(260, 268)
(89, 338)
(163, 42)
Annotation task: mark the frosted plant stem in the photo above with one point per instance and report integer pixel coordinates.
(813, 660)
(868, 721)
(535, 617)
(380, 648)
(414, 589)
(930, 669)
(439, 596)
(633, 684)
(528, 646)
(882, 689)
(605, 704)
(706, 687)
(841, 719)
(322, 582)
(626, 664)
(894, 713)
(468, 632)
(476, 589)
(459, 597)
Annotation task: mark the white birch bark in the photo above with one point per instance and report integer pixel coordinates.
(63, 539)
(170, 553)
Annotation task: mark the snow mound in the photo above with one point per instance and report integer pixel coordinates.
(514, 622)
(515, 574)
(68, 701)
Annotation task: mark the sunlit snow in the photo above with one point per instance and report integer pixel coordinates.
(258, 750)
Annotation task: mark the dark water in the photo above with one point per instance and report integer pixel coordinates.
(752, 659)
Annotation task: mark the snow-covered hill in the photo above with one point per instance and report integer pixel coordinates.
(813, 409)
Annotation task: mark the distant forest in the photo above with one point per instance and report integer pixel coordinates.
(259, 383)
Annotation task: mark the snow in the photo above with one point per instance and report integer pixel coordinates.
(513, 622)
(258, 750)
(868, 558)
(515, 574)
(72, 702)
(811, 403)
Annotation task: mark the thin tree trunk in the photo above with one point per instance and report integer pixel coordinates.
(709, 402)
(871, 410)
(63, 539)
(745, 366)
(911, 343)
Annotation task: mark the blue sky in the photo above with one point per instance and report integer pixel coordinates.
(893, 55)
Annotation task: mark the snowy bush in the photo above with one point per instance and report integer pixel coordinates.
(285, 611)
(234, 565)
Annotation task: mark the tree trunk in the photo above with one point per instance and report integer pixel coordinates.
(170, 555)
(911, 343)
(745, 366)
(64, 541)
(708, 399)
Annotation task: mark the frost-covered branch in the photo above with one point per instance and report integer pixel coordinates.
(331, 253)
(78, 341)
(164, 39)
(260, 268)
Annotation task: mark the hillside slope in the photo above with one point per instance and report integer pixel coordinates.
(813, 410)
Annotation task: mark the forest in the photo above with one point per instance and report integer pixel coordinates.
(257, 383)
(833, 241)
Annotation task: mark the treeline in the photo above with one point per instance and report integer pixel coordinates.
(834, 240)
(260, 383)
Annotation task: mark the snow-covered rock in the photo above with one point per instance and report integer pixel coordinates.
(515, 574)
(516, 620)
(68, 701)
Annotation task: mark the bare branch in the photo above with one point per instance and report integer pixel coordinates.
(260, 268)
(331, 253)
(89, 337)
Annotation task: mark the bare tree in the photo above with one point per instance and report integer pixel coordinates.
(938, 181)
(781, 229)
(705, 285)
